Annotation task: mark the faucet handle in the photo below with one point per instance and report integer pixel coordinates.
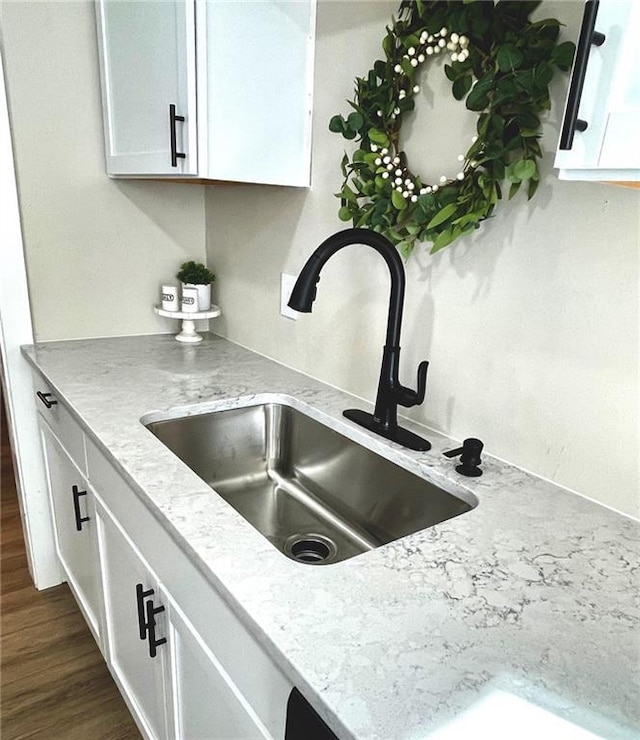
(406, 396)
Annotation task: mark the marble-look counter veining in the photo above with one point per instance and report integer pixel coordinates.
(533, 594)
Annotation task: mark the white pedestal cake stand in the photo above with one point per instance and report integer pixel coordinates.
(189, 333)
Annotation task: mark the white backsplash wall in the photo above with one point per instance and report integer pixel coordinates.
(531, 326)
(97, 250)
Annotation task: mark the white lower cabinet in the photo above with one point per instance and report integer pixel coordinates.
(174, 685)
(75, 529)
(185, 664)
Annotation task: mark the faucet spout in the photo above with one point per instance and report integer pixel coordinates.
(390, 391)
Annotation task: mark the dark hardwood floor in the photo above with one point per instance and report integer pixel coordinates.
(54, 682)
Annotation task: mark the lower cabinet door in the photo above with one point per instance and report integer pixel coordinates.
(75, 524)
(208, 706)
(136, 627)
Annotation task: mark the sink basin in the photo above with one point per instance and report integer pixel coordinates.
(316, 495)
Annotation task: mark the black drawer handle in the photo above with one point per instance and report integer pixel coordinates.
(47, 399)
(175, 154)
(588, 37)
(147, 619)
(141, 595)
(151, 626)
(76, 507)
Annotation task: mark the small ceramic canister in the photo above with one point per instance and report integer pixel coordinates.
(189, 300)
(170, 298)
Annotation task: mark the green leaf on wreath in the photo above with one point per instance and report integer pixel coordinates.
(509, 58)
(523, 169)
(404, 248)
(451, 73)
(478, 98)
(344, 214)
(562, 55)
(389, 44)
(348, 194)
(445, 238)
(515, 186)
(336, 124)
(378, 137)
(461, 86)
(427, 203)
(398, 200)
(343, 165)
(444, 214)
(355, 121)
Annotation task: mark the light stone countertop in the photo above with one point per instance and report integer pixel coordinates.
(530, 600)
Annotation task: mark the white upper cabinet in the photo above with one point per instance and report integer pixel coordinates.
(208, 89)
(600, 139)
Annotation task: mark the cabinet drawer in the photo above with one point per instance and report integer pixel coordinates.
(61, 422)
(259, 680)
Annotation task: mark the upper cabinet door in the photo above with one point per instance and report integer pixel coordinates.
(600, 138)
(148, 68)
(257, 101)
(621, 141)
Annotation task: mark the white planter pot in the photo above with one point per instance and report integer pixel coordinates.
(204, 295)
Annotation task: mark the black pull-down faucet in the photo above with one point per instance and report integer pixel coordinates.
(384, 420)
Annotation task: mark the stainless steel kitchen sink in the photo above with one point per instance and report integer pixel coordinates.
(318, 496)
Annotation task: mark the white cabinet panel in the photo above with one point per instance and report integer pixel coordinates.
(75, 527)
(141, 676)
(207, 704)
(147, 62)
(259, 84)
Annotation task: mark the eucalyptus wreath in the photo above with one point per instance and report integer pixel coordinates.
(501, 63)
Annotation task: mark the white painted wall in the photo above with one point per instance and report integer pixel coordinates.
(97, 250)
(531, 326)
(15, 377)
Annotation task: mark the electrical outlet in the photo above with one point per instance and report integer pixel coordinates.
(286, 286)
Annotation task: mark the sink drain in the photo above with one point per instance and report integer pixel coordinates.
(310, 548)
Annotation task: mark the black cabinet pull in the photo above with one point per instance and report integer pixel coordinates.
(141, 595)
(76, 493)
(47, 399)
(588, 37)
(175, 154)
(151, 626)
(147, 619)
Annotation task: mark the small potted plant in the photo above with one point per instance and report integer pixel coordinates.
(195, 275)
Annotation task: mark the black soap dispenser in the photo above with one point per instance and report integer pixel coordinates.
(469, 457)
